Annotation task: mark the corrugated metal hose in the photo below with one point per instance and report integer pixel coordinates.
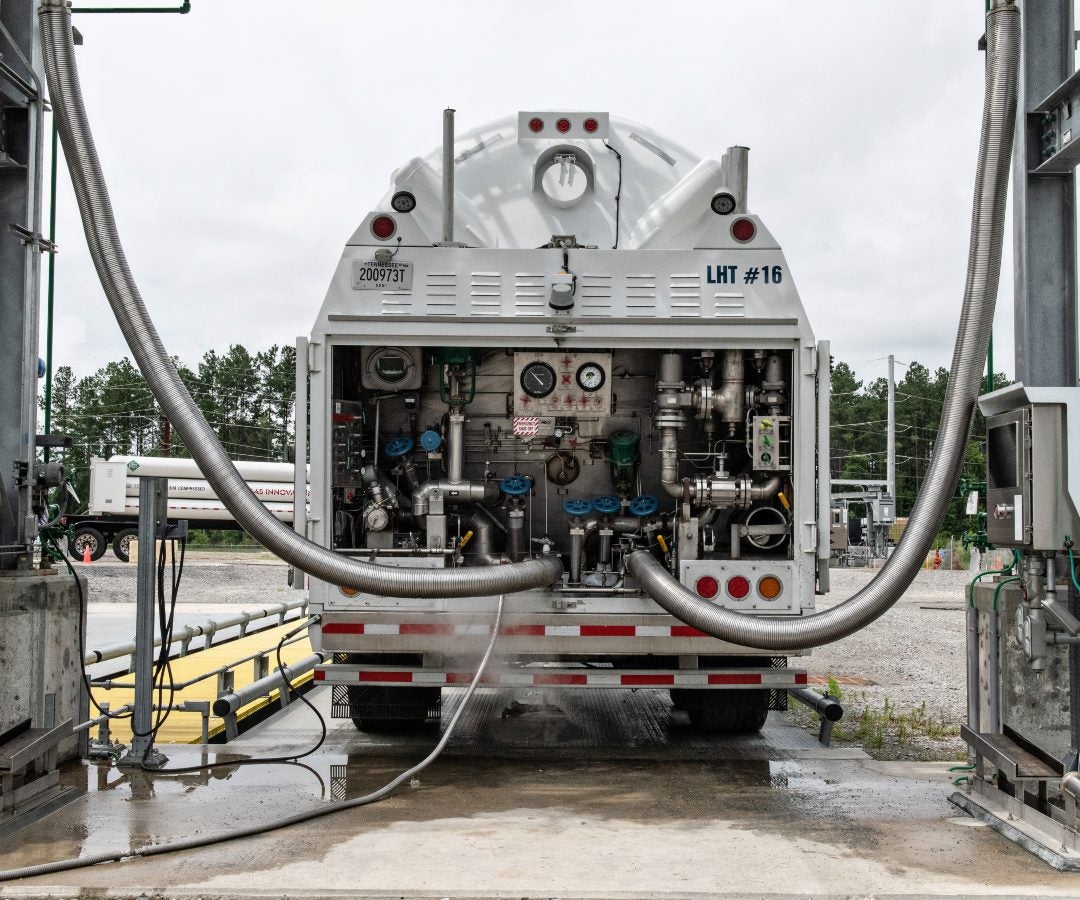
(157, 368)
(965, 375)
(773, 633)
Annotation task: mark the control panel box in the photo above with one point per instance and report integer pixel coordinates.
(563, 385)
(770, 443)
(391, 368)
(1032, 485)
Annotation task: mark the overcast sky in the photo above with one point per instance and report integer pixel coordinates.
(245, 141)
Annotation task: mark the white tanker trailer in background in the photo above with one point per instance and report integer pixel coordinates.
(581, 343)
(113, 511)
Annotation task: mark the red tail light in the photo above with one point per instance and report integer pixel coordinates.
(738, 587)
(707, 587)
(743, 230)
(536, 124)
(590, 125)
(563, 125)
(383, 227)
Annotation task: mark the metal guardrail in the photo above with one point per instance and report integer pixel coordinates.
(229, 703)
(265, 681)
(206, 630)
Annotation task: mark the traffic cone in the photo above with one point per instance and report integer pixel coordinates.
(86, 553)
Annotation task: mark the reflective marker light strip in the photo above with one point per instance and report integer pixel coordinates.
(421, 628)
(773, 678)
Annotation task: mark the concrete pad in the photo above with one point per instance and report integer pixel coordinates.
(507, 814)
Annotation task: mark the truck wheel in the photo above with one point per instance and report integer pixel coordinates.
(86, 536)
(121, 545)
(392, 709)
(724, 712)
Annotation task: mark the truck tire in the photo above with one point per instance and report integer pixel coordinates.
(723, 712)
(86, 536)
(121, 544)
(392, 709)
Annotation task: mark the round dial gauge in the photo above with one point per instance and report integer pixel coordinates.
(538, 379)
(590, 377)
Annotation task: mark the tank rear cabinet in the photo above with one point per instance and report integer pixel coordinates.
(554, 382)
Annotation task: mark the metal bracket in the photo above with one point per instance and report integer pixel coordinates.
(32, 237)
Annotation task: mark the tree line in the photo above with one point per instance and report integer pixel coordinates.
(859, 434)
(248, 399)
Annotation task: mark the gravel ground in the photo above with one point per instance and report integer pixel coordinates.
(248, 579)
(912, 655)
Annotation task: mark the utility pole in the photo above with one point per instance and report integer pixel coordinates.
(890, 435)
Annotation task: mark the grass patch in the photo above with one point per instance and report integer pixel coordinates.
(880, 728)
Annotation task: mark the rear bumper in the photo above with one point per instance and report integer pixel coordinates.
(563, 676)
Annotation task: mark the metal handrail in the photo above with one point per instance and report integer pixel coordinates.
(262, 685)
(108, 684)
(208, 629)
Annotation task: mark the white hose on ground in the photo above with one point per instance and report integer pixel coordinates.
(66, 865)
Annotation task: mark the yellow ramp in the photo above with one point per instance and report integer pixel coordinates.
(186, 727)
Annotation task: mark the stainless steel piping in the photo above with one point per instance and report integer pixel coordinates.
(99, 225)
(965, 377)
(448, 176)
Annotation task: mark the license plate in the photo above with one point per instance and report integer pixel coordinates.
(369, 275)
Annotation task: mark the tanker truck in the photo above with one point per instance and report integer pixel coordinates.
(112, 516)
(565, 334)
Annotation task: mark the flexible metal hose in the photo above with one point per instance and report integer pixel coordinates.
(157, 368)
(973, 334)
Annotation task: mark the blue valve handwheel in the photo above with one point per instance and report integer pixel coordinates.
(431, 440)
(644, 505)
(516, 485)
(577, 507)
(607, 505)
(399, 446)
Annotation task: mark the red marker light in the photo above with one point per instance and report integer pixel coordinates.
(743, 230)
(590, 125)
(563, 125)
(738, 587)
(707, 587)
(383, 227)
(536, 124)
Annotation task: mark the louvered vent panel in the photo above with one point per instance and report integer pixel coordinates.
(684, 292)
(441, 289)
(485, 294)
(595, 294)
(641, 295)
(530, 294)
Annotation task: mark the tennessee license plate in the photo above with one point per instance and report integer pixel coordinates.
(369, 275)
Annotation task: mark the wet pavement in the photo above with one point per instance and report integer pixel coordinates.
(585, 794)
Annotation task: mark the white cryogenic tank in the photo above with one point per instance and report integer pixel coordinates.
(206, 510)
(200, 489)
(173, 467)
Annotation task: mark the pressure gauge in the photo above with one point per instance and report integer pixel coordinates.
(590, 377)
(538, 379)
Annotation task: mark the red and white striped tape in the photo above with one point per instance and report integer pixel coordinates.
(531, 630)
(607, 678)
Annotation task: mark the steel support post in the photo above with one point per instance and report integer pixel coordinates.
(1044, 209)
(1045, 154)
(152, 512)
(21, 116)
